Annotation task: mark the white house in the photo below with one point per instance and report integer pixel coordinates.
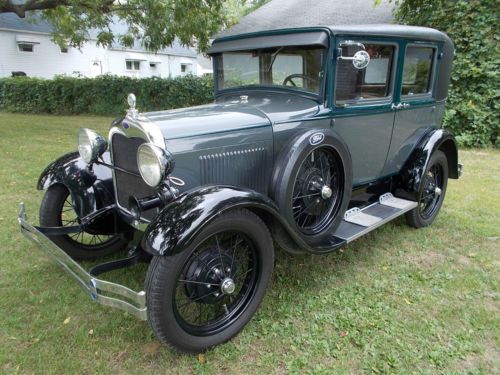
(26, 47)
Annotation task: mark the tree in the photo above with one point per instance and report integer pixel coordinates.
(473, 109)
(155, 23)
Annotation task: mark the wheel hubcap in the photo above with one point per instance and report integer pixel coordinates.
(228, 286)
(326, 192)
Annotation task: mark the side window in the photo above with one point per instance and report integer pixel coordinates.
(417, 70)
(374, 82)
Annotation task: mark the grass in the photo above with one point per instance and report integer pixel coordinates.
(398, 300)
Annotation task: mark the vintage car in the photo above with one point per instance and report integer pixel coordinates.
(316, 137)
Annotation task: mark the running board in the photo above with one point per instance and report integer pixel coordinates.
(357, 222)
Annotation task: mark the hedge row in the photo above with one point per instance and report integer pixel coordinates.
(473, 109)
(105, 95)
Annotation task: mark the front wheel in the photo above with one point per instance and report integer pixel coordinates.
(206, 294)
(57, 210)
(431, 192)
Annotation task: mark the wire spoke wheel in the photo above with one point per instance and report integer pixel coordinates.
(317, 191)
(216, 283)
(204, 294)
(69, 217)
(431, 192)
(57, 209)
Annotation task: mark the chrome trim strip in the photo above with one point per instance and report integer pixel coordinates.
(123, 298)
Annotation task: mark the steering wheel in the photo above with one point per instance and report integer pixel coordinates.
(298, 75)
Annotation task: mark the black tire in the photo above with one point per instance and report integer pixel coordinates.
(319, 216)
(429, 202)
(185, 276)
(55, 212)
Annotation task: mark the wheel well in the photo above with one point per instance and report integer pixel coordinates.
(450, 150)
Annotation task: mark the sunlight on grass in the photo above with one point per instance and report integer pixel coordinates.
(397, 300)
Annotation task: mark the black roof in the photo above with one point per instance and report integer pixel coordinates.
(280, 14)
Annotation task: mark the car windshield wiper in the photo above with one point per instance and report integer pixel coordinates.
(273, 57)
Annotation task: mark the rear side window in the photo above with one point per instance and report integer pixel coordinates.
(417, 70)
(373, 82)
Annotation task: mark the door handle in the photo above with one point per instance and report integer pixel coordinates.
(395, 107)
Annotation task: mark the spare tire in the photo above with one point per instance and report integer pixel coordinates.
(312, 183)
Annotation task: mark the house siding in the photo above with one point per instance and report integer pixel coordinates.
(47, 60)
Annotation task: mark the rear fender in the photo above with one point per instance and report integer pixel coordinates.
(90, 188)
(417, 163)
(177, 225)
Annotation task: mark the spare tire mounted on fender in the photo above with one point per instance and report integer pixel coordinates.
(313, 182)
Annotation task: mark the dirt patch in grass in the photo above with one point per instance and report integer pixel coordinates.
(487, 361)
(426, 260)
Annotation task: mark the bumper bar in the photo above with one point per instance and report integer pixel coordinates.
(124, 298)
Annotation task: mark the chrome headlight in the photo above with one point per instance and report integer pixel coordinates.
(154, 163)
(90, 145)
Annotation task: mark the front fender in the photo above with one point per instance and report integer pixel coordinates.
(178, 223)
(90, 189)
(417, 163)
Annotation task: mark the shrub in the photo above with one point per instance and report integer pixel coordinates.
(105, 95)
(473, 110)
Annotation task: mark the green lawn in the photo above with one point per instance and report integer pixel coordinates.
(397, 300)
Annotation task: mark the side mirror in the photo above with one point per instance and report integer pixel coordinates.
(361, 58)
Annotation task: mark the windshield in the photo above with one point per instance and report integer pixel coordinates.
(299, 68)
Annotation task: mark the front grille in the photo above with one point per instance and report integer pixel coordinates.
(129, 184)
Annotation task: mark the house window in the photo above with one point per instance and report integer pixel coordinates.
(417, 70)
(133, 64)
(26, 47)
(186, 68)
(374, 82)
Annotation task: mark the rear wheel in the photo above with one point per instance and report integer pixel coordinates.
(206, 294)
(57, 210)
(431, 192)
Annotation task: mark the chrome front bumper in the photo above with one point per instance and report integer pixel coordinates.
(123, 297)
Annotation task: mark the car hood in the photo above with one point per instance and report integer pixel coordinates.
(232, 113)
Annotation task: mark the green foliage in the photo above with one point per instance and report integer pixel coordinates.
(105, 95)
(154, 23)
(473, 112)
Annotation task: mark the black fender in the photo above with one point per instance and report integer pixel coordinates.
(414, 168)
(330, 136)
(178, 223)
(290, 158)
(91, 188)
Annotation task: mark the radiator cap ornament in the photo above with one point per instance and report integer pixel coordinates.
(131, 100)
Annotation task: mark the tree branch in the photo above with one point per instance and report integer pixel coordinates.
(20, 9)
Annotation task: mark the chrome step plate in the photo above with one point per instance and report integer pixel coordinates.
(360, 218)
(388, 199)
(357, 222)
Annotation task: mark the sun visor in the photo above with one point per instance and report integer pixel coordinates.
(319, 38)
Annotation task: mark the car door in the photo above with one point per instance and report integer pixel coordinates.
(416, 110)
(362, 100)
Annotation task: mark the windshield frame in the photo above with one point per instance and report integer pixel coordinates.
(320, 95)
